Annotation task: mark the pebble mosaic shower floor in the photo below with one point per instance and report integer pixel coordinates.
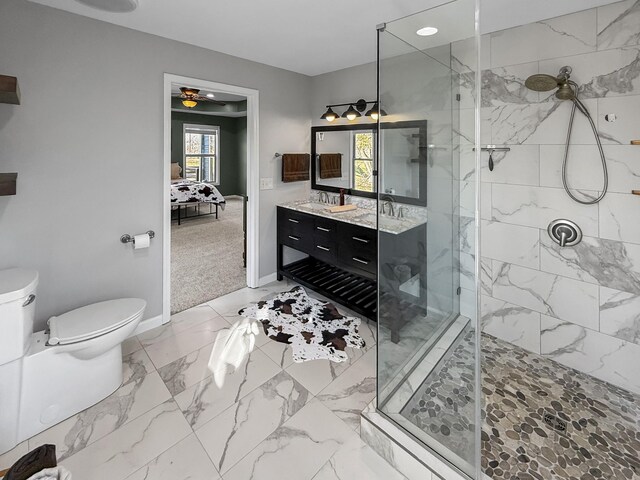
(541, 420)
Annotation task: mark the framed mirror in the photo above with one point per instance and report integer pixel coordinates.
(345, 157)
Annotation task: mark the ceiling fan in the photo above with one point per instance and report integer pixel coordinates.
(191, 96)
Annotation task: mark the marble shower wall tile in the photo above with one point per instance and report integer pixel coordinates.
(618, 214)
(606, 73)
(625, 128)
(538, 206)
(620, 314)
(510, 243)
(561, 297)
(512, 323)
(594, 260)
(584, 167)
(602, 356)
(618, 24)
(561, 36)
(520, 166)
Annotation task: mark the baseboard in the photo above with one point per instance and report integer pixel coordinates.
(148, 324)
(272, 277)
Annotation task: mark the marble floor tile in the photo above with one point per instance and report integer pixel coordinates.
(357, 460)
(130, 447)
(130, 345)
(187, 371)
(315, 375)
(185, 460)
(179, 323)
(192, 316)
(126, 404)
(298, 449)
(352, 391)
(239, 429)
(180, 344)
(228, 384)
(279, 352)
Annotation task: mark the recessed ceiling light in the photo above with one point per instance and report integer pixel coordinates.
(427, 31)
(210, 95)
(115, 6)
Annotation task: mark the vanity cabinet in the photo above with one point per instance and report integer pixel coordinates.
(342, 258)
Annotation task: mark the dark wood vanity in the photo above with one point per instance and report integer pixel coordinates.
(342, 258)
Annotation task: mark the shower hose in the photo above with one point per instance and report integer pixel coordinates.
(577, 104)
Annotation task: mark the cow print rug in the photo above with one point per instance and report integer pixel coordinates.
(315, 329)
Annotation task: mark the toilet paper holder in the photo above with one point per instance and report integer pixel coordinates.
(126, 238)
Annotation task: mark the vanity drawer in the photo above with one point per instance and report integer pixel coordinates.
(294, 223)
(325, 250)
(325, 228)
(357, 259)
(359, 238)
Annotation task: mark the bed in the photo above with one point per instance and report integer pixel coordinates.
(185, 194)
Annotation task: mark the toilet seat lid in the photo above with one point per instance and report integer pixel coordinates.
(94, 320)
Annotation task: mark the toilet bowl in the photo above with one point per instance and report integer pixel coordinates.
(50, 375)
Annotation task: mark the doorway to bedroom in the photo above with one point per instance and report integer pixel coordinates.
(208, 194)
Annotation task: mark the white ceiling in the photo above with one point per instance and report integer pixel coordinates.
(305, 36)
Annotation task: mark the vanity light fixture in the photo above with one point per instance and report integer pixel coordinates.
(351, 113)
(427, 31)
(354, 111)
(329, 115)
(375, 112)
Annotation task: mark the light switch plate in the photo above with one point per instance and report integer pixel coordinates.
(266, 183)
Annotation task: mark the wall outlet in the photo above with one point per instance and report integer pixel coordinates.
(266, 184)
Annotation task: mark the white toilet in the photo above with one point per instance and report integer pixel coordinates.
(48, 376)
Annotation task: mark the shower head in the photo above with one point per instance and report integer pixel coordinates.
(565, 92)
(541, 82)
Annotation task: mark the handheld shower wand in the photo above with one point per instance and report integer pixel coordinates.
(568, 90)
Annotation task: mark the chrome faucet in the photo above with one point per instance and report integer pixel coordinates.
(323, 197)
(387, 201)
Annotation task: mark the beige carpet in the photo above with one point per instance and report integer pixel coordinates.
(206, 257)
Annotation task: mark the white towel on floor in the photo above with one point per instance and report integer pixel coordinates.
(55, 473)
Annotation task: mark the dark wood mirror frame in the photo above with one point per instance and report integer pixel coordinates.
(422, 160)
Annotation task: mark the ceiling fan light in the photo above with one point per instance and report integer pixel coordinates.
(351, 113)
(189, 103)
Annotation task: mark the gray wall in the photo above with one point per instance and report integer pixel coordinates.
(88, 154)
(232, 155)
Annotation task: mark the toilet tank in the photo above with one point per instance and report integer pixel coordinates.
(17, 310)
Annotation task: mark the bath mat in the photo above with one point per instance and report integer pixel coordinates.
(315, 329)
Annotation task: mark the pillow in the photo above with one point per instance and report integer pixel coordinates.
(176, 170)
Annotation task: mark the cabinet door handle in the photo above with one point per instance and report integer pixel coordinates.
(292, 220)
(322, 248)
(294, 238)
(358, 239)
(322, 229)
(359, 260)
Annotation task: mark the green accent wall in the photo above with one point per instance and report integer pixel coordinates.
(233, 154)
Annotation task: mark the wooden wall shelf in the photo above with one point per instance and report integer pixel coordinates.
(9, 90)
(8, 183)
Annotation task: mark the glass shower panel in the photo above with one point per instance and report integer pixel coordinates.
(427, 355)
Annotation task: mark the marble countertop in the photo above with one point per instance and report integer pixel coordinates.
(364, 217)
